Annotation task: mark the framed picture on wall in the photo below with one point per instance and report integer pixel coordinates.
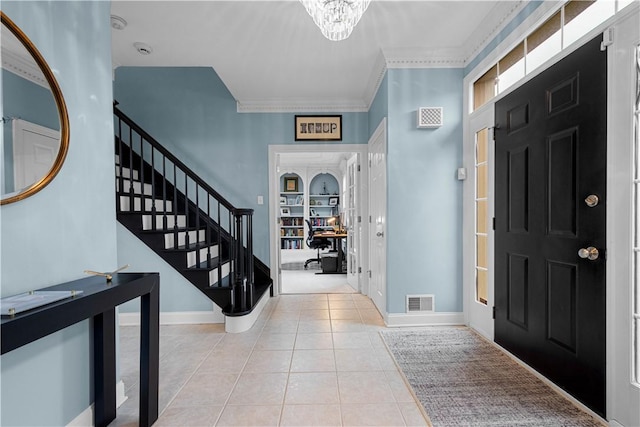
(333, 201)
(285, 212)
(318, 128)
(283, 200)
(291, 184)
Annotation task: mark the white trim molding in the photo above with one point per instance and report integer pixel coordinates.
(174, 318)
(394, 320)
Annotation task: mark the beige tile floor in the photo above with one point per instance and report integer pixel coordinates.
(310, 360)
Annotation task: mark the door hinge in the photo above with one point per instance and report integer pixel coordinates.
(369, 219)
(359, 218)
(494, 312)
(493, 225)
(369, 162)
(358, 168)
(359, 270)
(607, 39)
(369, 271)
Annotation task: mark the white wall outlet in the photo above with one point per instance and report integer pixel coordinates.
(261, 200)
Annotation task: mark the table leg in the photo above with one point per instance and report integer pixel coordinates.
(104, 369)
(149, 356)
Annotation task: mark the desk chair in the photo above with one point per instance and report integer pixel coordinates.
(315, 242)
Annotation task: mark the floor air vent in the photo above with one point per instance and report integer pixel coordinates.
(420, 303)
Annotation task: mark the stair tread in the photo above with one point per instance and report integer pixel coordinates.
(215, 263)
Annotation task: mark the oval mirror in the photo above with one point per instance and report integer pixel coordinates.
(35, 125)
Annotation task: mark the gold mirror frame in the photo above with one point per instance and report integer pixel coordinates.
(62, 114)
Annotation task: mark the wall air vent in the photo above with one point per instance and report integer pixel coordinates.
(430, 117)
(420, 303)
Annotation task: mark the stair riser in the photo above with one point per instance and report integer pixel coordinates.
(194, 236)
(125, 204)
(126, 173)
(137, 187)
(192, 259)
(147, 222)
(213, 274)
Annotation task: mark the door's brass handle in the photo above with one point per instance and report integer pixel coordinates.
(589, 253)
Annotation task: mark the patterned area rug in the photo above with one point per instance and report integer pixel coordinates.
(463, 380)
(300, 266)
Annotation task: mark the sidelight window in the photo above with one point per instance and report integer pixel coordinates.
(482, 220)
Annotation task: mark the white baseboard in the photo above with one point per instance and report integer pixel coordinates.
(85, 418)
(174, 318)
(121, 397)
(244, 323)
(614, 423)
(393, 320)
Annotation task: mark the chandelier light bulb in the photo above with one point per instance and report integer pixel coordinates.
(336, 18)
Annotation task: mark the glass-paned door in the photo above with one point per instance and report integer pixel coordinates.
(352, 225)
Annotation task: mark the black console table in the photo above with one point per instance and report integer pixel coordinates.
(98, 301)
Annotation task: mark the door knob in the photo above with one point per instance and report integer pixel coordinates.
(379, 234)
(589, 253)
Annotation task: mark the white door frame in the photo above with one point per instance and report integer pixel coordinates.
(274, 197)
(377, 227)
(622, 394)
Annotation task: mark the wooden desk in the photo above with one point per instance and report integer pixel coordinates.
(337, 239)
(98, 301)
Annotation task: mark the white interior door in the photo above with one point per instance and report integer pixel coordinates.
(352, 224)
(34, 151)
(378, 217)
(480, 295)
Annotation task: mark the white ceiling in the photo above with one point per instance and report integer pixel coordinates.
(272, 57)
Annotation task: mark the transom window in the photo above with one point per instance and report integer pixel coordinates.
(574, 19)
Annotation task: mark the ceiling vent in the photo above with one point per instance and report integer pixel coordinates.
(429, 117)
(420, 303)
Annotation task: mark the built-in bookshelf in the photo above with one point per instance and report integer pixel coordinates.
(323, 202)
(291, 212)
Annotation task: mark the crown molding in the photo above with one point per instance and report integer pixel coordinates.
(501, 14)
(300, 106)
(23, 67)
(424, 58)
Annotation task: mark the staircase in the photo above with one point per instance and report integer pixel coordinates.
(186, 222)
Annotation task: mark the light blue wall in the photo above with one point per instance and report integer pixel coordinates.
(191, 112)
(424, 202)
(28, 101)
(177, 294)
(70, 225)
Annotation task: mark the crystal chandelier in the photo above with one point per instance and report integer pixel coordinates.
(336, 18)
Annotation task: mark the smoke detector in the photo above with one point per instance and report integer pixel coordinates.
(118, 23)
(143, 48)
